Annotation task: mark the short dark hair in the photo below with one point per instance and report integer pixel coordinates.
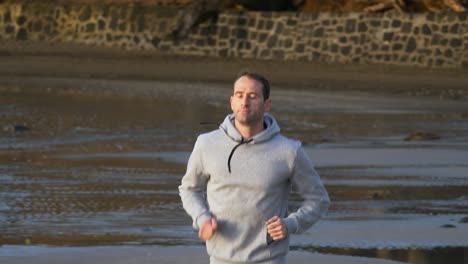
(259, 78)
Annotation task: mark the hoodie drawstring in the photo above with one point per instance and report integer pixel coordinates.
(234, 149)
(243, 141)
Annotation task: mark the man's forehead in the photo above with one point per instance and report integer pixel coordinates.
(245, 84)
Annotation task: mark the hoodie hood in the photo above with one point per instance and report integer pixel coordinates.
(271, 129)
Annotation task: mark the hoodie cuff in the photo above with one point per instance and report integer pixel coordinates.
(201, 219)
(291, 224)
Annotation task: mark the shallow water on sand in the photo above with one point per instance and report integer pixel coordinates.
(81, 167)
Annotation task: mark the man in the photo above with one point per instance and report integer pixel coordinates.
(238, 181)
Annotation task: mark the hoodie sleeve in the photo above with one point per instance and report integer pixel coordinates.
(315, 197)
(193, 187)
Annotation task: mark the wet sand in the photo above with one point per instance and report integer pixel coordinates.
(150, 255)
(78, 61)
(108, 134)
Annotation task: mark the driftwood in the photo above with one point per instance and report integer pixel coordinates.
(454, 5)
(383, 6)
(201, 10)
(371, 6)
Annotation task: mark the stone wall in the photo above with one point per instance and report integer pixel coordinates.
(436, 40)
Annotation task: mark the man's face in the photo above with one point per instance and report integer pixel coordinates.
(247, 102)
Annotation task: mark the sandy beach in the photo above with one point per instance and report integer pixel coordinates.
(93, 143)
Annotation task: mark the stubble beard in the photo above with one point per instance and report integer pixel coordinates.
(249, 119)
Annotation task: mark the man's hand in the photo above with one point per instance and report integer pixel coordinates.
(276, 228)
(208, 229)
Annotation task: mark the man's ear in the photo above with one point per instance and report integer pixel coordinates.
(230, 103)
(267, 105)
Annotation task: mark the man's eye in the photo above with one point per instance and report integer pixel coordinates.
(252, 96)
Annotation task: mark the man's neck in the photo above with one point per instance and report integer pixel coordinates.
(249, 131)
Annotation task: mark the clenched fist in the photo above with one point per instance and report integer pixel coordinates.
(276, 228)
(208, 229)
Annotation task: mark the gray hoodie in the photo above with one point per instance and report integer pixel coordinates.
(243, 183)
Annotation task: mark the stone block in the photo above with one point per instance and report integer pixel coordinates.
(155, 41)
(350, 26)
(316, 56)
(397, 47)
(101, 24)
(316, 44)
(455, 43)
(388, 36)
(396, 23)
(223, 52)
(265, 53)
(375, 23)
(278, 54)
(426, 30)
(346, 50)
(464, 64)
(454, 28)
(425, 51)
(279, 28)
(448, 53)
(22, 34)
(85, 13)
(37, 26)
(141, 23)
(224, 32)
(21, 20)
(362, 27)
(436, 38)
(261, 24)
(7, 17)
(90, 27)
(439, 62)
(122, 26)
(113, 23)
(319, 32)
(343, 39)
(445, 29)
(272, 41)
(262, 37)
(334, 48)
(410, 45)
(241, 21)
(406, 27)
(291, 22)
(300, 48)
(9, 29)
(200, 42)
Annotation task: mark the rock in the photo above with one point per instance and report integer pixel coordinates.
(21, 128)
(448, 226)
(464, 220)
(377, 196)
(15, 128)
(421, 136)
